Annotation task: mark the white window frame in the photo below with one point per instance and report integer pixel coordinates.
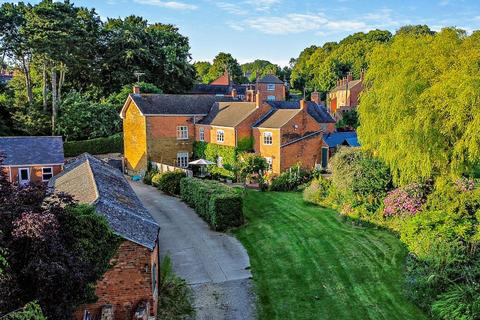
(182, 132)
(221, 134)
(182, 159)
(271, 98)
(267, 138)
(20, 175)
(269, 162)
(270, 86)
(43, 173)
(201, 133)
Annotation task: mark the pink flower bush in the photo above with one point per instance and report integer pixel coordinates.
(465, 184)
(407, 200)
(38, 226)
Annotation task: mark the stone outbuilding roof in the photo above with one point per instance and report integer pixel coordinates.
(270, 78)
(40, 150)
(92, 181)
(172, 104)
(229, 114)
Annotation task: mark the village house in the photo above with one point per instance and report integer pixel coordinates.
(345, 96)
(31, 159)
(223, 86)
(132, 283)
(291, 133)
(161, 128)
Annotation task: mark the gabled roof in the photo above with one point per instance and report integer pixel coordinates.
(32, 150)
(93, 181)
(172, 104)
(350, 84)
(229, 114)
(217, 89)
(318, 112)
(341, 138)
(270, 78)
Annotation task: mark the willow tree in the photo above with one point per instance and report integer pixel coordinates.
(420, 111)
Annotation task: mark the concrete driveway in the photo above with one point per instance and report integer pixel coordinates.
(214, 264)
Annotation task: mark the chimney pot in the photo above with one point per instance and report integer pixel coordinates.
(136, 90)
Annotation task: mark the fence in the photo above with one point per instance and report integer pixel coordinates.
(166, 168)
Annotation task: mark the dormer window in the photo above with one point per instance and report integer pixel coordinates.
(267, 138)
(271, 87)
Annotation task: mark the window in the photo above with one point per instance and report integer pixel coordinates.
(154, 279)
(267, 138)
(269, 162)
(271, 98)
(182, 132)
(202, 134)
(47, 173)
(271, 87)
(220, 136)
(182, 159)
(24, 175)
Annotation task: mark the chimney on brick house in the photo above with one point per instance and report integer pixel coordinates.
(257, 98)
(234, 93)
(315, 97)
(349, 77)
(362, 75)
(136, 90)
(302, 104)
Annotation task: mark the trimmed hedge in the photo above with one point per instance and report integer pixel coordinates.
(112, 144)
(219, 205)
(169, 182)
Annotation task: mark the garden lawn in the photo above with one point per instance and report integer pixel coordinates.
(309, 264)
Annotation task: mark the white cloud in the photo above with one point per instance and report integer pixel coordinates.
(235, 26)
(231, 8)
(261, 5)
(168, 4)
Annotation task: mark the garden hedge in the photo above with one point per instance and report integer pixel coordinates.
(112, 144)
(169, 182)
(219, 205)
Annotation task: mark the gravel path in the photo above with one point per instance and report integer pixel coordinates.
(214, 264)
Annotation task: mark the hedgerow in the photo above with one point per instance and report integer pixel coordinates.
(219, 205)
(112, 144)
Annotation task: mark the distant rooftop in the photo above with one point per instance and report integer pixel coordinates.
(270, 79)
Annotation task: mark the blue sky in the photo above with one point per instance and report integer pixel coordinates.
(277, 30)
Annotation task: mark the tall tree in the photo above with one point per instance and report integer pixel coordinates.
(260, 68)
(225, 62)
(202, 68)
(422, 116)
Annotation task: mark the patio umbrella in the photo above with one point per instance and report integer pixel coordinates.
(201, 162)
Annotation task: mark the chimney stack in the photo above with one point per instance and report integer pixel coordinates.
(257, 99)
(136, 90)
(362, 75)
(302, 104)
(349, 77)
(315, 97)
(234, 93)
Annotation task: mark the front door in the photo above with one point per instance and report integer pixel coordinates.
(324, 158)
(24, 176)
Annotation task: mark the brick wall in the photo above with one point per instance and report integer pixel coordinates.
(135, 139)
(228, 133)
(307, 152)
(206, 129)
(127, 283)
(279, 92)
(35, 172)
(299, 126)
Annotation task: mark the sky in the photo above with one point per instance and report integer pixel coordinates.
(277, 30)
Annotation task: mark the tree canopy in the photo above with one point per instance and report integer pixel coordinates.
(422, 116)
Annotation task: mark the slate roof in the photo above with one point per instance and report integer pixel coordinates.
(318, 112)
(339, 138)
(217, 89)
(351, 84)
(92, 181)
(156, 104)
(277, 118)
(229, 114)
(270, 78)
(32, 150)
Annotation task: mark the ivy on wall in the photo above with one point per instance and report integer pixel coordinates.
(225, 158)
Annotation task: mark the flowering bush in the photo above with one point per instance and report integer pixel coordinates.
(465, 184)
(407, 200)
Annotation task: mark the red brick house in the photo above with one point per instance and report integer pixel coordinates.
(345, 96)
(223, 86)
(133, 279)
(32, 159)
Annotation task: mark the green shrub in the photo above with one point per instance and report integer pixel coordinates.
(169, 182)
(150, 173)
(155, 179)
(291, 179)
(112, 144)
(461, 302)
(317, 191)
(219, 205)
(31, 311)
